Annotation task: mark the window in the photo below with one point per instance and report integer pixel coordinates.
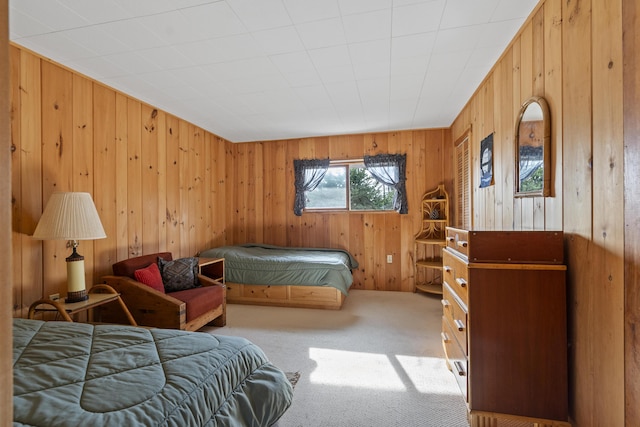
(364, 192)
(373, 183)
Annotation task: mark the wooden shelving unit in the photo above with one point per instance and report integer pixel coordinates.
(430, 240)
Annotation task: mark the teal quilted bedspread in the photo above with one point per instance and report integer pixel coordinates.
(260, 264)
(73, 374)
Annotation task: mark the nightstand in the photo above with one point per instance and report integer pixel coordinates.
(212, 268)
(98, 295)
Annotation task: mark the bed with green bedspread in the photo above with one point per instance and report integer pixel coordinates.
(73, 374)
(261, 264)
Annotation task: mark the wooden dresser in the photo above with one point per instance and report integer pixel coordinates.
(504, 325)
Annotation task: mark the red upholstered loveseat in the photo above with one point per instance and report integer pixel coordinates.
(188, 309)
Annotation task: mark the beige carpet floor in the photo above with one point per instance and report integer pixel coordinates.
(376, 362)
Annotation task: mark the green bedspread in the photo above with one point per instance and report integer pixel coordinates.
(72, 374)
(260, 264)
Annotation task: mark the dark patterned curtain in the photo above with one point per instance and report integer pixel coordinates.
(308, 174)
(391, 170)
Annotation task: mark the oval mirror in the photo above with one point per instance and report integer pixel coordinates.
(532, 141)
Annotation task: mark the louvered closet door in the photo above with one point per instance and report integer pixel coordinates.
(463, 183)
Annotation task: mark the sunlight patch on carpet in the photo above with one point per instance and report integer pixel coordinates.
(354, 369)
(427, 375)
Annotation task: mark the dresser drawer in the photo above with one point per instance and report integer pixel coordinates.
(456, 316)
(455, 358)
(458, 240)
(456, 275)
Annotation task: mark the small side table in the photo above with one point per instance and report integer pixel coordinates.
(98, 295)
(213, 268)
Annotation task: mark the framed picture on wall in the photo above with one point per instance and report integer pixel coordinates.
(486, 162)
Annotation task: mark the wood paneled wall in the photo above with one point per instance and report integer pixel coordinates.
(261, 200)
(158, 182)
(570, 52)
(6, 359)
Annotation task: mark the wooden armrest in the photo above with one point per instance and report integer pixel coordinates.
(208, 281)
(148, 306)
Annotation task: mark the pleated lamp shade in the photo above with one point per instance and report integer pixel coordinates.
(71, 216)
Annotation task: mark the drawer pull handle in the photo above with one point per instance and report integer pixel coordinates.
(445, 337)
(445, 303)
(450, 238)
(459, 324)
(460, 368)
(461, 282)
(447, 269)
(462, 243)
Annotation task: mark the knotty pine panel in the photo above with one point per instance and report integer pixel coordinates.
(631, 100)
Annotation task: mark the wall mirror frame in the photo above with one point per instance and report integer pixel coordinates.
(533, 149)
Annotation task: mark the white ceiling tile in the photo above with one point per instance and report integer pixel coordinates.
(261, 15)
(406, 86)
(132, 33)
(297, 79)
(53, 14)
(368, 26)
(172, 27)
(350, 7)
(58, 47)
(278, 40)
(314, 97)
(95, 39)
(492, 34)
(311, 10)
(457, 39)
(135, 63)
(319, 34)
(461, 13)
(410, 65)
(165, 58)
(214, 20)
(372, 51)
(413, 45)
(24, 25)
(372, 70)
(98, 67)
(375, 91)
(338, 74)
(334, 56)
(513, 9)
(292, 62)
(224, 49)
(417, 18)
(97, 12)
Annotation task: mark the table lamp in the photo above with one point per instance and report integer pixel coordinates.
(72, 217)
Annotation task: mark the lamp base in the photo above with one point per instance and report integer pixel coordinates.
(77, 296)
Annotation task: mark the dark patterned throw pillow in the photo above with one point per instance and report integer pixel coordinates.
(179, 274)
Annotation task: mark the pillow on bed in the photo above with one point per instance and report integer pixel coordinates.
(179, 274)
(150, 276)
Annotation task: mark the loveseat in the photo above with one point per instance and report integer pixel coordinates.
(188, 309)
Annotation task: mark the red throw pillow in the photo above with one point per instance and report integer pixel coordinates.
(150, 276)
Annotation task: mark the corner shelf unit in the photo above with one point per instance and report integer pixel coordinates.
(428, 243)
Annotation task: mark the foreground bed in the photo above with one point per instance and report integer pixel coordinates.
(73, 374)
(293, 277)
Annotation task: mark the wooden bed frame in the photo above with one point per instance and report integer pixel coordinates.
(325, 297)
